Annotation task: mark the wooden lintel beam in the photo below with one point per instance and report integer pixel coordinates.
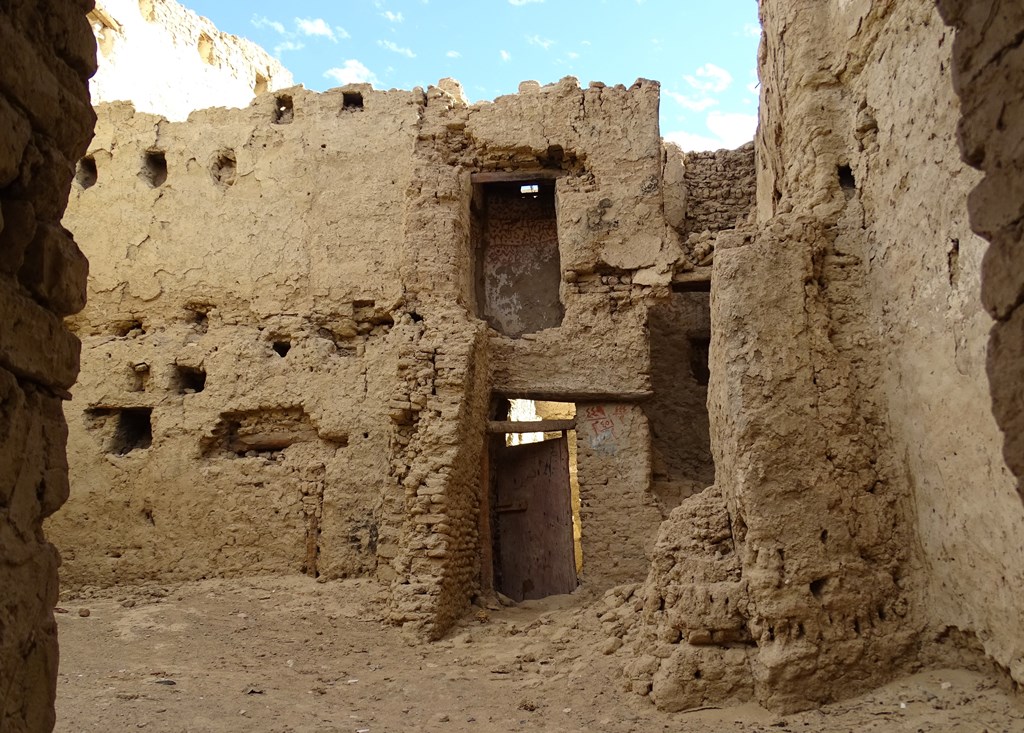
(535, 426)
(540, 174)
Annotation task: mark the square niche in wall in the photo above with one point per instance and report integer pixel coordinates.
(515, 237)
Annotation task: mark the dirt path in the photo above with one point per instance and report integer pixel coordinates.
(289, 654)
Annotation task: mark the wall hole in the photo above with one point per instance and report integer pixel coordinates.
(284, 109)
(188, 379)
(128, 327)
(224, 168)
(154, 168)
(138, 376)
(205, 47)
(817, 586)
(125, 429)
(700, 349)
(351, 100)
(198, 314)
(846, 180)
(86, 175)
(282, 347)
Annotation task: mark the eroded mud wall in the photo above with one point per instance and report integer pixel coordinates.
(45, 122)
(856, 457)
(169, 61)
(287, 368)
(232, 412)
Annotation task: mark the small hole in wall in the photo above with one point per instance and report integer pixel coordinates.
(846, 180)
(699, 369)
(696, 674)
(129, 327)
(817, 586)
(205, 48)
(282, 347)
(198, 314)
(127, 428)
(188, 379)
(351, 100)
(416, 317)
(224, 168)
(284, 109)
(824, 535)
(86, 175)
(154, 168)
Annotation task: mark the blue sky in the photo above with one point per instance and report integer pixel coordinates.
(702, 51)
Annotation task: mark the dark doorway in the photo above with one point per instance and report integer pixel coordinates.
(532, 509)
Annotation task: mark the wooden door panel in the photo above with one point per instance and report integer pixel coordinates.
(534, 515)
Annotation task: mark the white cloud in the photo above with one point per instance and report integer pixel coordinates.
(261, 21)
(523, 2)
(453, 54)
(728, 130)
(315, 27)
(732, 128)
(536, 40)
(392, 17)
(710, 78)
(352, 72)
(572, 55)
(342, 33)
(505, 55)
(752, 29)
(288, 46)
(691, 142)
(691, 103)
(392, 46)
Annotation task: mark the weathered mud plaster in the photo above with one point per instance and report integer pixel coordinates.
(287, 366)
(45, 121)
(169, 61)
(868, 515)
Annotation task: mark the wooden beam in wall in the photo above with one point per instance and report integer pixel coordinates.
(534, 426)
(541, 174)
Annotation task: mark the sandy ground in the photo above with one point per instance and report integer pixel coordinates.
(289, 654)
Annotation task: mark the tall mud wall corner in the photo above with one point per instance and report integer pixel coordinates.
(46, 122)
(856, 461)
(988, 75)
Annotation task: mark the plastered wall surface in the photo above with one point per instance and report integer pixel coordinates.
(281, 310)
(855, 453)
(169, 61)
(986, 72)
(46, 121)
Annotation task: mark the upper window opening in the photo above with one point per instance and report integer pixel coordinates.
(515, 235)
(283, 109)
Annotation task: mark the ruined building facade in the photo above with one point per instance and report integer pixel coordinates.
(306, 318)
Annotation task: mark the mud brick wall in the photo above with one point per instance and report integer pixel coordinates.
(45, 123)
(719, 188)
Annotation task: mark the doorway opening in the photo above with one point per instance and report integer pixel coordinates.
(534, 504)
(514, 232)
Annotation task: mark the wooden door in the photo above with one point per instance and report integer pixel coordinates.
(534, 517)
